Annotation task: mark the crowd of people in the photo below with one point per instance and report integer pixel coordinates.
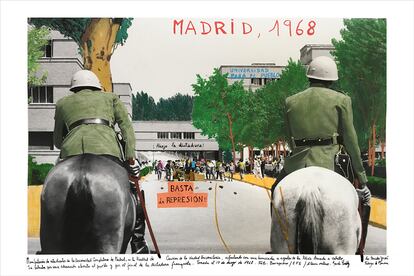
(184, 169)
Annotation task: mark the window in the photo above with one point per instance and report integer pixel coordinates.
(266, 81)
(176, 135)
(188, 135)
(256, 81)
(40, 94)
(41, 140)
(48, 49)
(162, 135)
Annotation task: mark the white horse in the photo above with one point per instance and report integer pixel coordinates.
(315, 212)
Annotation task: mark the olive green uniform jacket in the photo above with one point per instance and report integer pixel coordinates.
(323, 113)
(93, 138)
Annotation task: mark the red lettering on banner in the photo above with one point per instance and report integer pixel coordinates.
(181, 195)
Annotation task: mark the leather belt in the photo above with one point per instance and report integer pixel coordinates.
(314, 142)
(90, 121)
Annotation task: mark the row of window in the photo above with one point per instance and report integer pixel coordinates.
(44, 139)
(259, 81)
(175, 135)
(40, 94)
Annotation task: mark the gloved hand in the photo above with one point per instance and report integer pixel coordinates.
(134, 167)
(364, 194)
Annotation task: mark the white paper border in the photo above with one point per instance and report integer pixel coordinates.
(399, 112)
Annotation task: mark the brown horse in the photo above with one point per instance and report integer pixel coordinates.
(316, 212)
(86, 207)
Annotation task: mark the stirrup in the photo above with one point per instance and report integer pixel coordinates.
(142, 250)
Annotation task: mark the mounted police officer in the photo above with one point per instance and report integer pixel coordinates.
(319, 122)
(84, 123)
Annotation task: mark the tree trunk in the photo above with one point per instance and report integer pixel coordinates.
(369, 152)
(382, 149)
(97, 45)
(278, 149)
(233, 148)
(373, 149)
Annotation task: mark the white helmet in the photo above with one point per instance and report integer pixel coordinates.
(323, 68)
(85, 78)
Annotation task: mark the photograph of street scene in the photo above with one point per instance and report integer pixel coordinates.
(203, 135)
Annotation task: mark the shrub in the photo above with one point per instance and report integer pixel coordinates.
(380, 162)
(378, 186)
(37, 172)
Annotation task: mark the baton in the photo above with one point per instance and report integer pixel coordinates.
(141, 199)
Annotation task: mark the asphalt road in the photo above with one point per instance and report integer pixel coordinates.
(243, 219)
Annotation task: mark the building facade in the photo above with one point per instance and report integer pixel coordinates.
(311, 51)
(253, 76)
(174, 136)
(61, 60)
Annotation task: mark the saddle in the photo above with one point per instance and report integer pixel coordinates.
(343, 164)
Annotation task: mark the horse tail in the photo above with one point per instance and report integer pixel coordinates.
(78, 234)
(309, 220)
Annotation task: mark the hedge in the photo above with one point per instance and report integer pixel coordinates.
(377, 186)
(37, 172)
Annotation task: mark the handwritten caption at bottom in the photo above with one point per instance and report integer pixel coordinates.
(130, 262)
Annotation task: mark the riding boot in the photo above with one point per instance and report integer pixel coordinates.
(138, 243)
(365, 213)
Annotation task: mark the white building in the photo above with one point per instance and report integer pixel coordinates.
(311, 51)
(253, 76)
(61, 61)
(174, 136)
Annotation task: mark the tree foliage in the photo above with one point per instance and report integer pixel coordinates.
(75, 28)
(292, 80)
(37, 39)
(175, 108)
(97, 39)
(72, 28)
(143, 107)
(218, 109)
(361, 58)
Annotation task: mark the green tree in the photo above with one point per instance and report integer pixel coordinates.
(175, 108)
(97, 39)
(143, 107)
(218, 109)
(37, 39)
(361, 58)
(255, 116)
(292, 80)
